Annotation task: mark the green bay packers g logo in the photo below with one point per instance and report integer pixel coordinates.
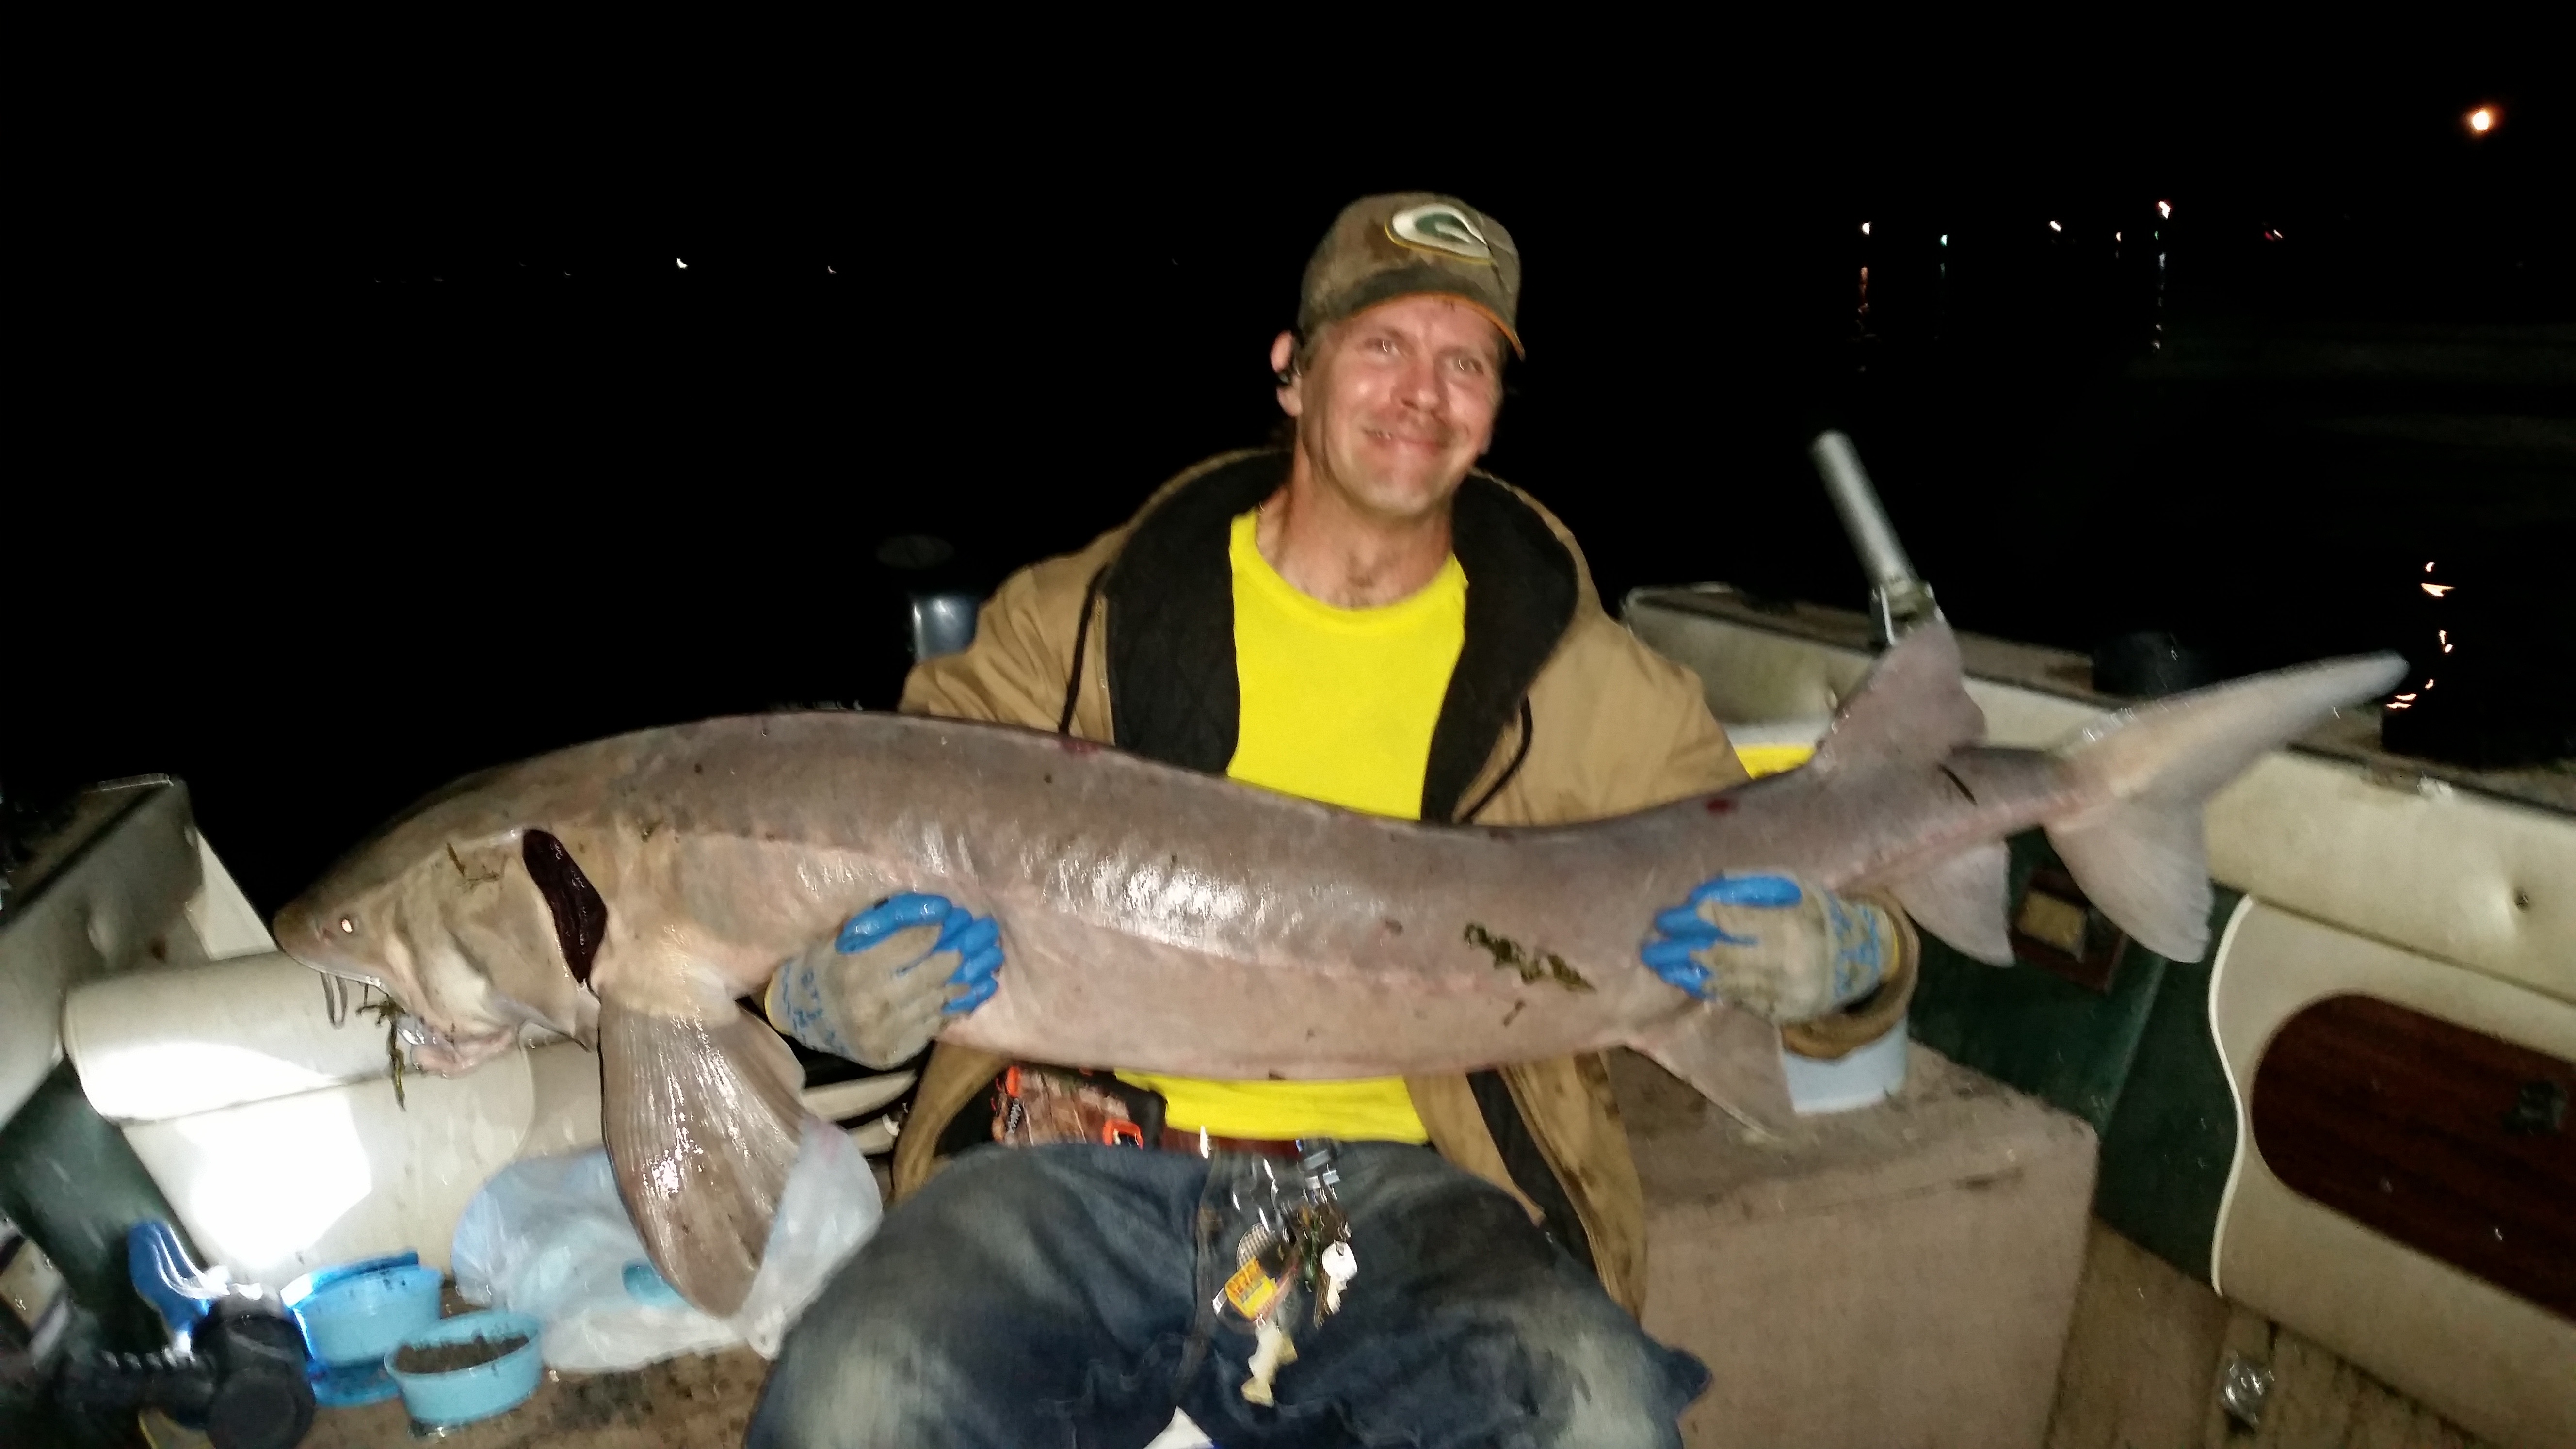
(1440, 227)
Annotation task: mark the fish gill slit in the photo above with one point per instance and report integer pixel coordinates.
(580, 914)
(1962, 785)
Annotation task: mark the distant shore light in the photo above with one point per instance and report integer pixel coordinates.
(2165, 209)
(684, 266)
(1864, 228)
(2482, 120)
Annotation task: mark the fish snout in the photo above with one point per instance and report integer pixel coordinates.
(320, 937)
(294, 929)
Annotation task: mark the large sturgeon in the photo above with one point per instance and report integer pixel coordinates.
(627, 892)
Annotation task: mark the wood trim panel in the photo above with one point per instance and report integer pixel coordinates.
(2491, 1361)
(2454, 1142)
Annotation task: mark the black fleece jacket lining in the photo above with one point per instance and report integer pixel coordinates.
(1169, 602)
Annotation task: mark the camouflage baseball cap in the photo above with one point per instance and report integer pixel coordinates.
(1411, 244)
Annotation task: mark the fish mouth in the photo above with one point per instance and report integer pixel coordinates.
(327, 963)
(448, 1053)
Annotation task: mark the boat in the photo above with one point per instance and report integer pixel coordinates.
(2099, 1197)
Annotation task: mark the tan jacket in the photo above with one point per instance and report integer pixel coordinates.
(1568, 715)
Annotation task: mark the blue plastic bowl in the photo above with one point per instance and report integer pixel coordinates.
(359, 1319)
(465, 1395)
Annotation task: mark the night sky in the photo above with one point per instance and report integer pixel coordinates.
(439, 457)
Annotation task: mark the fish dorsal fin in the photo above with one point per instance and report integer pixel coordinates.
(1912, 705)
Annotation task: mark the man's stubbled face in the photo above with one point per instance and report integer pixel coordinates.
(1399, 402)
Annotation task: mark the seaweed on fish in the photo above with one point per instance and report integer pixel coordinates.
(389, 1011)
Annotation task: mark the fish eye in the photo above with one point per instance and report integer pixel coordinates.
(348, 927)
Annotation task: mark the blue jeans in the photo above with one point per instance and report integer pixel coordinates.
(1063, 1297)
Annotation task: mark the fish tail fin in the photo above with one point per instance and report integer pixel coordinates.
(702, 1123)
(2138, 853)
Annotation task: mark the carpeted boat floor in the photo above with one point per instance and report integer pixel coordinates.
(694, 1402)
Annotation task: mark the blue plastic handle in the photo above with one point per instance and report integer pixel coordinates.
(648, 1287)
(167, 1278)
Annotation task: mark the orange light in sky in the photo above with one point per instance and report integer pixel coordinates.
(2482, 120)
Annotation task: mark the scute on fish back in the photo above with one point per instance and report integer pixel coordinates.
(1160, 919)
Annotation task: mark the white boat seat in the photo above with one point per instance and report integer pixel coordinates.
(280, 1139)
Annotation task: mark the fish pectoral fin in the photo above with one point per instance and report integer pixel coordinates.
(1961, 900)
(702, 1123)
(1729, 1056)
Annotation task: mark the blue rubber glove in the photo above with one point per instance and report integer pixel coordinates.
(888, 979)
(1772, 945)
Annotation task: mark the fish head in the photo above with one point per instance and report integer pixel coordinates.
(438, 911)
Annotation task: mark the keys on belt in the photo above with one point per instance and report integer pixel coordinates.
(1300, 1240)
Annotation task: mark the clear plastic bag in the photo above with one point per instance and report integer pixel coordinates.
(547, 1236)
(829, 1208)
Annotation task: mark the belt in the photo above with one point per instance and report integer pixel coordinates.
(1177, 1139)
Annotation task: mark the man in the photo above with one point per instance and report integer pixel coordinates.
(1367, 621)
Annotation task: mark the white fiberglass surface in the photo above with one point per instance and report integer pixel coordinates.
(271, 1181)
(248, 1075)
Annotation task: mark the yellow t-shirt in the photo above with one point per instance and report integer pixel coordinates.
(1338, 706)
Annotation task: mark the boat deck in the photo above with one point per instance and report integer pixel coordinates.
(2141, 1356)
(699, 1401)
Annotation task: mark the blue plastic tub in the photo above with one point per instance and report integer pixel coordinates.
(466, 1395)
(358, 1319)
(299, 1289)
